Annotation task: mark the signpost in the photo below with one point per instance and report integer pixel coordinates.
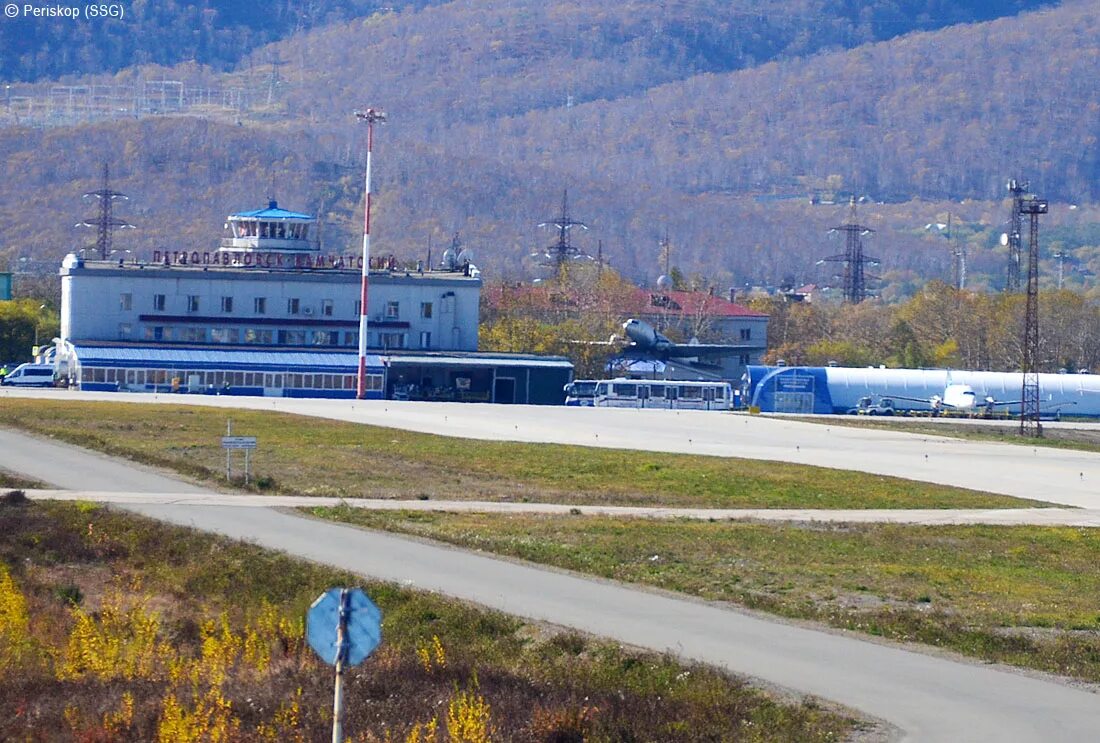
(343, 626)
(229, 443)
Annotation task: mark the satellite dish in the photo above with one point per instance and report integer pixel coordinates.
(1004, 238)
(663, 282)
(466, 255)
(448, 259)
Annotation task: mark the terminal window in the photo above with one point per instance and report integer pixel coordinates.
(292, 306)
(158, 302)
(426, 310)
(125, 301)
(227, 304)
(326, 307)
(259, 305)
(392, 310)
(746, 334)
(192, 302)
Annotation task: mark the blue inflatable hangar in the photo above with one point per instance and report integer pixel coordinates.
(828, 389)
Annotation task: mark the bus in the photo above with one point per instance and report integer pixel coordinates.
(671, 394)
(581, 393)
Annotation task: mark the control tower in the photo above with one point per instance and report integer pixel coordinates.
(271, 230)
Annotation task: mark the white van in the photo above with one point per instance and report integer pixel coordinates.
(29, 375)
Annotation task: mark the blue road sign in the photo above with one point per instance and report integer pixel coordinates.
(363, 620)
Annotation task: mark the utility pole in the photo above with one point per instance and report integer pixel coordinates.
(1015, 235)
(370, 116)
(853, 258)
(105, 222)
(1061, 256)
(1029, 412)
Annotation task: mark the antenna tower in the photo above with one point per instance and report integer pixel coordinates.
(563, 250)
(853, 258)
(1029, 413)
(1015, 235)
(105, 222)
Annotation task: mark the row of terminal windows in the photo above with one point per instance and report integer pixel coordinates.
(222, 379)
(268, 337)
(294, 306)
(277, 230)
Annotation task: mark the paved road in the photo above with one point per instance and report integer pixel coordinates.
(1062, 476)
(1076, 517)
(929, 698)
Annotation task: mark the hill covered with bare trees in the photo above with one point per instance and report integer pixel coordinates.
(738, 131)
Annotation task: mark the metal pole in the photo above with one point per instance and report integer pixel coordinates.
(228, 462)
(370, 116)
(341, 653)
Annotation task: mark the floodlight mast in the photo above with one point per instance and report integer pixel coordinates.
(370, 116)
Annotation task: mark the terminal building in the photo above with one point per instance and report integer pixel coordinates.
(267, 312)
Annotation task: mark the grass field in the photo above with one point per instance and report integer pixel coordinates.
(1021, 595)
(123, 629)
(311, 456)
(1005, 432)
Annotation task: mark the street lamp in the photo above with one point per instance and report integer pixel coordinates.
(37, 320)
(370, 116)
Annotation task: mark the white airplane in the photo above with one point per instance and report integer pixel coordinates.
(959, 397)
(963, 398)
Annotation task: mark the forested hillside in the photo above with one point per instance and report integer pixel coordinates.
(711, 121)
(218, 33)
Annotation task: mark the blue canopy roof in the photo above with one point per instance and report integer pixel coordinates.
(273, 212)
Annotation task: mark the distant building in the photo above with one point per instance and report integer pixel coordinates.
(5, 286)
(268, 313)
(705, 316)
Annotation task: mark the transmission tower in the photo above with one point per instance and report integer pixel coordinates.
(853, 258)
(1015, 235)
(105, 222)
(562, 251)
(1029, 412)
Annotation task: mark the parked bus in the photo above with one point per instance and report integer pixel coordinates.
(581, 393)
(672, 394)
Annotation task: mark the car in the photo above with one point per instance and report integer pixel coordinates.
(29, 375)
(867, 406)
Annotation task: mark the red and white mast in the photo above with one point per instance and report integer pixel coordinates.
(370, 116)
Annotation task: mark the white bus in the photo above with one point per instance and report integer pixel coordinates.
(672, 394)
(580, 393)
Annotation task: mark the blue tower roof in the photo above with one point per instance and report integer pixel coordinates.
(272, 212)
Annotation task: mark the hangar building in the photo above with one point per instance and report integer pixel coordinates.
(806, 389)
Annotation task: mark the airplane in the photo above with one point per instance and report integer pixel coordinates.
(963, 398)
(642, 340)
(645, 340)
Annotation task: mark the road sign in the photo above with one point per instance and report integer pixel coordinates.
(363, 626)
(238, 442)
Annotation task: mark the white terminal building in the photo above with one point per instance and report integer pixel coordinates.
(267, 312)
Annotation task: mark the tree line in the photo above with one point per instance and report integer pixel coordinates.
(940, 327)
